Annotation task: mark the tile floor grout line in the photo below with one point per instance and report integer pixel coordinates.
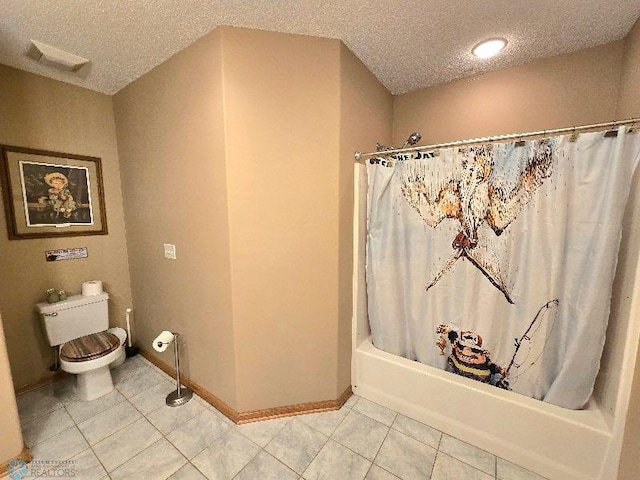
(263, 449)
(142, 367)
(163, 436)
(201, 450)
(250, 460)
(433, 467)
(40, 417)
(100, 461)
(289, 419)
(436, 448)
(62, 406)
(359, 454)
(290, 468)
(143, 416)
(435, 459)
(467, 463)
(300, 475)
(234, 427)
(368, 471)
(115, 431)
(144, 450)
(196, 468)
(89, 444)
(330, 437)
(89, 447)
(189, 460)
(373, 462)
(89, 418)
(317, 453)
(58, 433)
(383, 440)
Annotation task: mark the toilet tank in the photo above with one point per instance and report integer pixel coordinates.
(75, 317)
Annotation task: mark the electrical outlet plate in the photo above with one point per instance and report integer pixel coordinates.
(169, 251)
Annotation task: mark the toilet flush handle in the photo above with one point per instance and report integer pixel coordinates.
(53, 314)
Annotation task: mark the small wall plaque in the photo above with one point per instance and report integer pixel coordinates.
(66, 254)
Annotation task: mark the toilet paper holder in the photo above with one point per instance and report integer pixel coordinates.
(182, 394)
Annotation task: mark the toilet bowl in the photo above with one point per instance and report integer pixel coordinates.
(87, 347)
(90, 358)
(122, 336)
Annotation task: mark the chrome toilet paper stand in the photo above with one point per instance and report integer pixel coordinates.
(182, 394)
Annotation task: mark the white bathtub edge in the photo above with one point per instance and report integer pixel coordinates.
(548, 440)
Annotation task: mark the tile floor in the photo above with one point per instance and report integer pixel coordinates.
(131, 434)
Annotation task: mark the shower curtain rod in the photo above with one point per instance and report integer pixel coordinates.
(512, 136)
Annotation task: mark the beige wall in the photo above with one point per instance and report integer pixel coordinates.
(45, 114)
(629, 99)
(572, 89)
(366, 114)
(281, 119)
(248, 129)
(172, 149)
(629, 106)
(11, 438)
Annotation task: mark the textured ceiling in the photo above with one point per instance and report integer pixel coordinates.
(407, 44)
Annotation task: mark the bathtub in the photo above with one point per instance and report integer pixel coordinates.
(554, 442)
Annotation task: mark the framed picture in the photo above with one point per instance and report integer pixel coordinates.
(51, 194)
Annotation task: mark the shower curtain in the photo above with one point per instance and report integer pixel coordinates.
(496, 262)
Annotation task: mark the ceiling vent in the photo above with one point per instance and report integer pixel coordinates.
(54, 57)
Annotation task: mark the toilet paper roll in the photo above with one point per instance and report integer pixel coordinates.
(94, 287)
(162, 341)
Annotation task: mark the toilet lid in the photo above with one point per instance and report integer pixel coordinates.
(89, 347)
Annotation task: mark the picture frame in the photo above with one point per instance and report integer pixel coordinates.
(51, 194)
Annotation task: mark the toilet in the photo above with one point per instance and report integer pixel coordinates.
(88, 348)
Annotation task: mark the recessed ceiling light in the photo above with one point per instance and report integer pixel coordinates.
(489, 48)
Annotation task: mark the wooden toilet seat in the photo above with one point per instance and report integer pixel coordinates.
(89, 347)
